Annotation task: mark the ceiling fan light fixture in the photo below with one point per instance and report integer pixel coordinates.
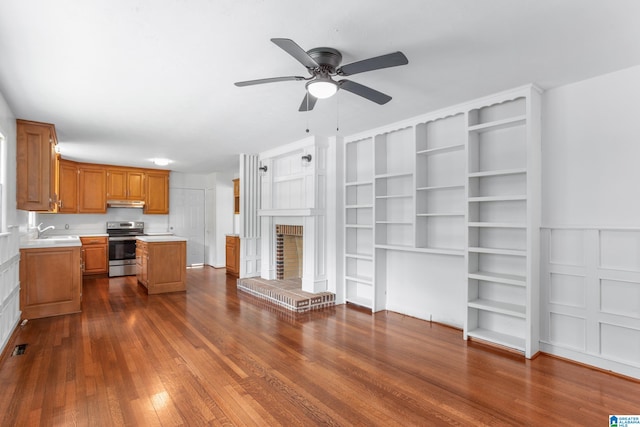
(322, 87)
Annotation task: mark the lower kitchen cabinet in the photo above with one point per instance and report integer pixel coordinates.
(95, 255)
(161, 266)
(50, 281)
(233, 255)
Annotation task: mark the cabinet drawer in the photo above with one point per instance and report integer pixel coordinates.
(91, 240)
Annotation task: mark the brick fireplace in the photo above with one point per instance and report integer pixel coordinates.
(289, 251)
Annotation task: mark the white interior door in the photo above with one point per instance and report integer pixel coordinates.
(186, 219)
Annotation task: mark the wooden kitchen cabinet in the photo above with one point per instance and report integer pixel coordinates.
(46, 183)
(125, 184)
(37, 164)
(157, 192)
(236, 196)
(233, 255)
(92, 188)
(68, 186)
(95, 255)
(50, 281)
(162, 266)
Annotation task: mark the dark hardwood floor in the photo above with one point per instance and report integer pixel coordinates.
(213, 356)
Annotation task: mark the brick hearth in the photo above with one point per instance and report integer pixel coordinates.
(287, 293)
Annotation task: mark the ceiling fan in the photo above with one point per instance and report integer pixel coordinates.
(323, 63)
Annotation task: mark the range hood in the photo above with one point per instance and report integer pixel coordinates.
(125, 203)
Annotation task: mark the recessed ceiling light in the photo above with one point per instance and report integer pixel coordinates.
(161, 162)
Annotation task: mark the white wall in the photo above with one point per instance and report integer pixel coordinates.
(427, 286)
(591, 152)
(590, 269)
(8, 129)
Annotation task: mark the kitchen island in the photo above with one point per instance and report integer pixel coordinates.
(161, 263)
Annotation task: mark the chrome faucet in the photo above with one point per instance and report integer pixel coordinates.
(42, 230)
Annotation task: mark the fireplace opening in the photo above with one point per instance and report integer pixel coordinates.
(289, 253)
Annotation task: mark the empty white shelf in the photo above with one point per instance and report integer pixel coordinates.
(498, 173)
(508, 279)
(494, 251)
(499, 124)
(514, 310)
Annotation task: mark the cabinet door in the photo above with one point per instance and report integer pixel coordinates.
(135, 185)
(68, 185)
(50, 282)
(93, 181)
(125, 184)
(36, 166)
(116, 184)
(157, 197)
(166, 267)
(95, 257)
(233, 255)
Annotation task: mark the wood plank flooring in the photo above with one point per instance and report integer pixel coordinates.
(216, 356)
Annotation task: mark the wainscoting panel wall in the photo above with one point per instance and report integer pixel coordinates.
(9, 283)
(590, 296)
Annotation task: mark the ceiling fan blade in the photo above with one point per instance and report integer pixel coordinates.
(377, 63)
(297, 52)
(308, 102)
(269, 80)
(364, 91)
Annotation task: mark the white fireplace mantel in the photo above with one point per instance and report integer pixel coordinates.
(291, 212)
(293, 191)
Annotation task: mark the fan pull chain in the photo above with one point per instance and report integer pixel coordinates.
(307, 100)
(337, 112)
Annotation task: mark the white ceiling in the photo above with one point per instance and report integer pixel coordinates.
(128, 80)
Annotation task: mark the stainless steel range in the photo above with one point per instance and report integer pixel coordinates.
(122, 246)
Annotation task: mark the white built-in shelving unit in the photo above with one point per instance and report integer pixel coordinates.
(503, 191)
(394, 189)
(440, 186)
(461, 182)
(359, 206)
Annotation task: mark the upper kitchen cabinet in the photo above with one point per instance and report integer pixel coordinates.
(125, 184)
(36, 166)
(92, 188)
(68, 186)
(157, 192)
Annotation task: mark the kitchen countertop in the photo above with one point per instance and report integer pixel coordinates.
(161, 238)
(51, 242)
